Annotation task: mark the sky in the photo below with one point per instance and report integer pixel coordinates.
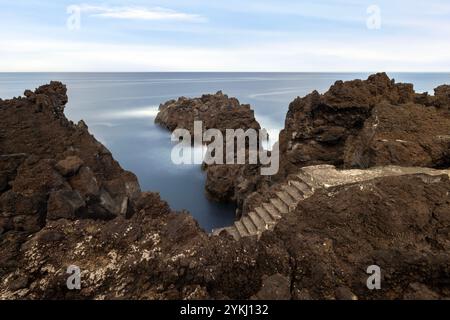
(225, 35)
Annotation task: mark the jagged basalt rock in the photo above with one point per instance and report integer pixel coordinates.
(64, 204)
(53, 166)
(69, 166)
(234, 183)
(408, 135)
(216, 111)
(224, 182)
(85, 183)
(367, 123)
(55, 178)
(441, 97)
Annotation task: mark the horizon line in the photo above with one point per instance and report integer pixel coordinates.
(293, 72)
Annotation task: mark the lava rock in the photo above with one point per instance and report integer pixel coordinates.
(216, 111)
(275, 287)
(85, 182)
(64, 204)
(69, 166)
(367, 123)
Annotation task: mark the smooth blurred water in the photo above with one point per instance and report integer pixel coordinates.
(120, 108)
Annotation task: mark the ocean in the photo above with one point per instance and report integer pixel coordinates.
(120, 108)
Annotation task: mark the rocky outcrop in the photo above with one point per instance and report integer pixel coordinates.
(65, 201)
(234, 183)
(224, 182)
(367, 123)
(52, 168)
(441, 97)
(408, 135)
(216, 111)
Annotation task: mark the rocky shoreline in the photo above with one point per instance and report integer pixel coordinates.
(362, 124)
(224, 182)
(65, 201)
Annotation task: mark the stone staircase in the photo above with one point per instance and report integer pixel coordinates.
(301, 186)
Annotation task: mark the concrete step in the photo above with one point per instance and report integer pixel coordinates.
(258, 222)
(251, 228)
(293, 192)
(291, 197)
(233, 232)
(302, 187)
(265, 216)
(272, 210)
(242, 230)
(287, 200)
(308, 180)
(279, 205)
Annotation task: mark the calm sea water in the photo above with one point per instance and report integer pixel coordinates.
(120, 108)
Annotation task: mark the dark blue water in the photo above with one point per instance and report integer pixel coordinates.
(120, 108)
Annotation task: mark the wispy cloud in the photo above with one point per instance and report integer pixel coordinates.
(314, 55)
(141, 13)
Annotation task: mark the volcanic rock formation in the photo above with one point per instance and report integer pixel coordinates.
(216, 111)
(367, 123)
(51, 168)
(224, 182)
